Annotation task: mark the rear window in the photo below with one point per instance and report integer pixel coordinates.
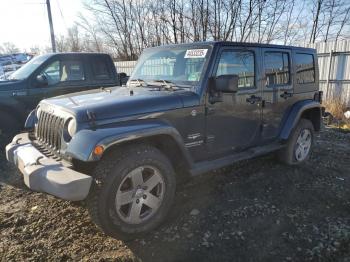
(305, 68)
(100, 68)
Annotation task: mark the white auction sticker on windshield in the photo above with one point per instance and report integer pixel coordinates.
(196, 53)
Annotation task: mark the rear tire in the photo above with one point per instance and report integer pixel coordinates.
(299, 145)
(132, 191)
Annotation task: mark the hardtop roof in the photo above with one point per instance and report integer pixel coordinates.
(76, 54)
(227, 43)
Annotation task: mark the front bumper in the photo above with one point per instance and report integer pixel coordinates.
(44, 174)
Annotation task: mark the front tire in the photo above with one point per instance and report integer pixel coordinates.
(299, 145)
(9, 127)
(132, 191)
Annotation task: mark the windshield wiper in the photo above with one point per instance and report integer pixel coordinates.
(167, 84)
(137, 82)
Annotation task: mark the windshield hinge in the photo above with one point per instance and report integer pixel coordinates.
(92, 117)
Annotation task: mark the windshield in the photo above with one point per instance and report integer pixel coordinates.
(180, 65)
(28, 68)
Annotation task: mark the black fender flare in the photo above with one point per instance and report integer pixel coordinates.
(293, 115)
(84, 141)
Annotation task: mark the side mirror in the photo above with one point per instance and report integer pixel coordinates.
(42, 80)
(123, 78)
(122, 75)
(226, 83)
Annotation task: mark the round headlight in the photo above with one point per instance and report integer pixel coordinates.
(72, 127)
(38, 111)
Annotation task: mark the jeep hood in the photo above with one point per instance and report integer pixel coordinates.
(117, 102)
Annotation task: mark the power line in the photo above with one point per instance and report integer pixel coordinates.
(59, 8)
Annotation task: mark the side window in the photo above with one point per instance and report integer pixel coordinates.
(239, 63)
(277, 70)
(72, 71)
(52, 73)
(100, 69)
(305, 68)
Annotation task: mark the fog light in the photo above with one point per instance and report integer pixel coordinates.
(98, 151)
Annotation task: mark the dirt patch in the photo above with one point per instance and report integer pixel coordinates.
(255, 210)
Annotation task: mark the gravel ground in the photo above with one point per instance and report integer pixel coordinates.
(257, 210)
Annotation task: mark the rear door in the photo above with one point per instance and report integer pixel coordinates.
(277, 90)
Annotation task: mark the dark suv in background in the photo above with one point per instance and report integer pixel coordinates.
(187, 109)
(52, 75)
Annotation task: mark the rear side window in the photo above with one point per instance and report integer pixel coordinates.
(305, 68)
(100, 68)
(72, 71)
(239, 63)
(63, 71)
(277, 69)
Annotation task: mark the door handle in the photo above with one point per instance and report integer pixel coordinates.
(253, 99)
(19, 93)
(286, 95)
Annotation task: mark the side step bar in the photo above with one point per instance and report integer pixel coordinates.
(209, 165)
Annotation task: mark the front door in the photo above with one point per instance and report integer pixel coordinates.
(277, 91)
(234, 120)
(63, 76)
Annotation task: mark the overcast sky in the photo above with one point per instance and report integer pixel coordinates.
(25, 22)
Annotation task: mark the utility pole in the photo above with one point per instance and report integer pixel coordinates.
(53, 43)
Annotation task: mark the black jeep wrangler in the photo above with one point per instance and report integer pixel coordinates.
(186, 109)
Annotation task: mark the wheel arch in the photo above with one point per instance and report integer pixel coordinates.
(162, 136)
(165, 143)
(308, 109)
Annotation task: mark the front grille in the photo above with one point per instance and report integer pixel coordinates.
(49, 130)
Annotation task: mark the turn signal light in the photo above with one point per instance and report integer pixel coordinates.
(98, 151)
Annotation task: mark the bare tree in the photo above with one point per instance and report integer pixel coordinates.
(315, 25)
(126, 27)
(8, 48)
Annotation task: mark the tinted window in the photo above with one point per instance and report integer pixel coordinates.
(277, 70)
(100, 68)
(239, 63)
(63, 71)
(305, 68)
(52, 73)
(72, 71)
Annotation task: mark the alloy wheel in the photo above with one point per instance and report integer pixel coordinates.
(303, 145)
(140, 194)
